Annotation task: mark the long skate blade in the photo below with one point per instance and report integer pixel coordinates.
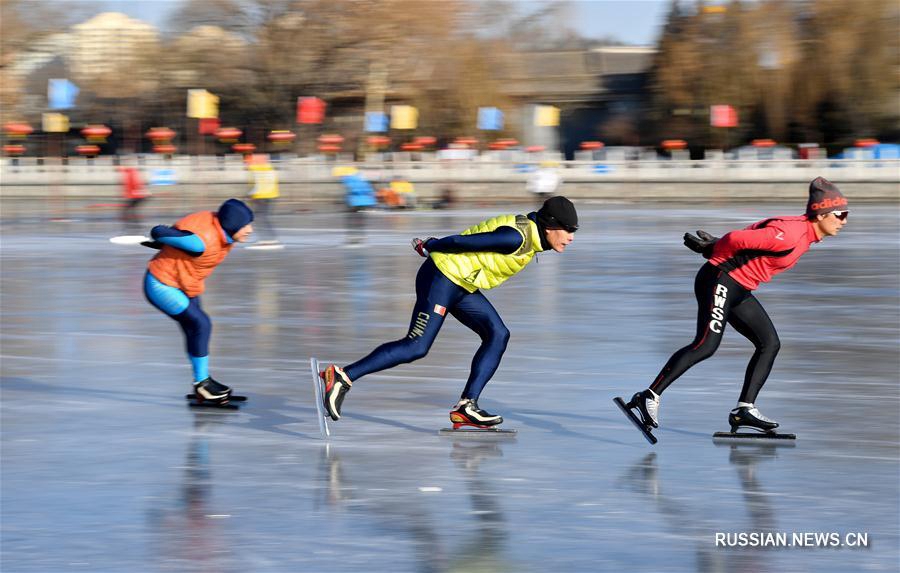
(214, 406)
(753, 437)
(230, 398)
(478, 433)
(634, 420)
(319, 397)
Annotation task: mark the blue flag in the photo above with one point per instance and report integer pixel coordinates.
(61, 93)
(490, 119)
(376, 121)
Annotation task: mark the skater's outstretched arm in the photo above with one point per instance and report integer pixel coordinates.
(184, 240)
(505, 240)
(769, 238)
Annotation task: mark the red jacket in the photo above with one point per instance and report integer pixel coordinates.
(132, 185)
(757, 253)
(176, 268)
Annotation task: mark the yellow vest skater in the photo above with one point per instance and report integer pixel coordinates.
(262, 195)
(457, 269)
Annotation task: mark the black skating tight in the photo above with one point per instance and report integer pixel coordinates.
(720, 301)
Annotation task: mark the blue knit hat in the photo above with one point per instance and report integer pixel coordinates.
(234, 215)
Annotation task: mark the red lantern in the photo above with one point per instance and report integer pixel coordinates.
(88, 150)
(411, 146)
(379, 141)
(591, 145)
(281, 136)
(329, 148)
(17, 129)
(164, 148)
(96, 133)
(228, 134)
(535, 148)
(763, 143)
(425, 140)
(467, 141)
(160, 135)
(496, 145)
(674, 144)
(508, 142)
(243, 148)
(867, 142)
(331, 139)
(13, 149)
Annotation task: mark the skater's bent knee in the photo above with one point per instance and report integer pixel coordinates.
(704, 352)
(414, 350)
(496, 335)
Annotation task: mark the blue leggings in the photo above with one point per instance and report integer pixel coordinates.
(433, 291)
(187, 313)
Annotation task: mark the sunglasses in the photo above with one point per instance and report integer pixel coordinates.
(842, 215)
(557, 225)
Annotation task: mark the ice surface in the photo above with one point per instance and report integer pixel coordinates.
(105, 468)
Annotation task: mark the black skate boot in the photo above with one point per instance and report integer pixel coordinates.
(647, 405)
(642, 411)
(750, 417)
(211, 391)
(467, 413)
(337, 384)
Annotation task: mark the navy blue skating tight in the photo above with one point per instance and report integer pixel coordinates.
(186, 311)
(436, 295)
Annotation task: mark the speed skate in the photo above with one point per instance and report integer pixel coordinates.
(645, 429)
(319, 397)
(738, 436)
(477, 431)
(749, 417)
(232, 403)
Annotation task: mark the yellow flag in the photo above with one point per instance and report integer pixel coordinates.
(202, 104)
(546, 116)
(55, 123)
(404, 117)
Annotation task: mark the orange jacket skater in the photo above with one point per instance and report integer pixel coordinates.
(189, 252)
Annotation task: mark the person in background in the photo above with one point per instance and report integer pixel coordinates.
(359, 195)
(262, 195)
(544, 181)
(134, 192)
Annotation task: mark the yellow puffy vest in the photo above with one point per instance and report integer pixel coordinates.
(483, 270)
(264, 180)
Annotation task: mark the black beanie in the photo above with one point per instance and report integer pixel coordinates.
(558, 213)
(234, 215)
(824, 197)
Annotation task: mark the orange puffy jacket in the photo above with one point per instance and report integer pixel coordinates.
(178, 269)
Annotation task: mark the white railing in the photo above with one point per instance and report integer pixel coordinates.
(230, 169)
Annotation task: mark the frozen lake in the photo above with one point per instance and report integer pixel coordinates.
(104, 468)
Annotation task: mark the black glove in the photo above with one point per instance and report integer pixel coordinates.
(160, 230)
(152, 244)
(419, 245)
(703, 244)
